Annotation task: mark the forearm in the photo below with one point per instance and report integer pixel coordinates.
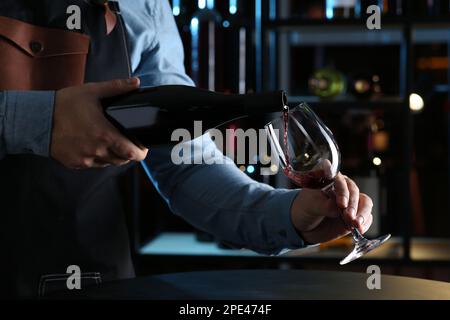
(25, 122)
(248, 215)
(222, 200)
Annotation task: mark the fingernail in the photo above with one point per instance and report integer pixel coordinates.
(132, 81)
(360, 220)
(343, 200)
(351, 212)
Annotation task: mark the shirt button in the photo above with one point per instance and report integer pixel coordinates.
(36, 47)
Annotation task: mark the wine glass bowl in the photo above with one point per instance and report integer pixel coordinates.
(306, 148)
(309, 156)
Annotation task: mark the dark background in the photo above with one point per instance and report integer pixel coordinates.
(269, 44)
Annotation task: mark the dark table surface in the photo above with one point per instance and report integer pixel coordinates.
(267, 284)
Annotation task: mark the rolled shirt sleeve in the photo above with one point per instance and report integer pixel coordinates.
(26, 122)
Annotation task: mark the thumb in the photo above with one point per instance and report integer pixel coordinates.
(114, 87)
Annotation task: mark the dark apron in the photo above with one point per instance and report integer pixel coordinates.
(52, 217)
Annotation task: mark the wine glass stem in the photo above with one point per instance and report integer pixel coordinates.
(329, 191)
(357, 236)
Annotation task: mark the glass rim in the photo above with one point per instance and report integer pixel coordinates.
(301, 105)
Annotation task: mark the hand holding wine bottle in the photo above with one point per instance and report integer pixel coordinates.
(82, 137)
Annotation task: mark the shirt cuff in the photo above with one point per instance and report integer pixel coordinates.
(28, 122)
(293, 238)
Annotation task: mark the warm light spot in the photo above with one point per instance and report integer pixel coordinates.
(376, 161)
(416, 102)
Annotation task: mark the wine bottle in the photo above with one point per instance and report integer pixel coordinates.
(364, 85)
(148, 116)
(327, 83)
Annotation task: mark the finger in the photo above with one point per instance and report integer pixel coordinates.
(364, 221)
(83, 163)
(341, 190)
(364, 216)
(350, 211)
(98, 164)
(126, 150)
(113, 88)
(111, 159)
(366, 224)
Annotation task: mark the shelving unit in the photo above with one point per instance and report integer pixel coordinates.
(279, 31)
(272, 33)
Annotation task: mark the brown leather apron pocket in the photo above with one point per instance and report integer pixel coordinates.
(38, 58)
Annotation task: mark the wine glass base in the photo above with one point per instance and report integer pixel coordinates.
(364, 246)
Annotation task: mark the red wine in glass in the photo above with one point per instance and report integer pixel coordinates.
(314, 179)
(310, 157)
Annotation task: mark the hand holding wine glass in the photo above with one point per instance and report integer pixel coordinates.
(319, 218)
(310, 157)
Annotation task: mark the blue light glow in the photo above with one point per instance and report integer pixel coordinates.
(194, 24)
(329, 9)
(233, 7)
(273, 9)
(258, 43)
(176, 8)
(226, 23)
(210, 4)
(250, 169)
(194, 49)
(201, 4)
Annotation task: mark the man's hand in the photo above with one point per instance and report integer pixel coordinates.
(318, 218)
(82, 137)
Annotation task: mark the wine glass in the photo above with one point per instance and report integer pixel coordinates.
(310, 157)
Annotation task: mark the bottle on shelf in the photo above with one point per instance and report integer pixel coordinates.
(327, 83)
(364, 85)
